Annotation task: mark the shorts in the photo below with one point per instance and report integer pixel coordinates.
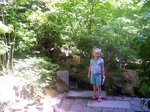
(96, 79)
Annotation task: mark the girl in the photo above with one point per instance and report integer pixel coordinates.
(96, 73)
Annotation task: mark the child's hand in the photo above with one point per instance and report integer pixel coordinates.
(103, 76)
(88, 76)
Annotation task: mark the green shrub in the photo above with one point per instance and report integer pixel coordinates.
(144, 72)
(144, 79)
(36, 74)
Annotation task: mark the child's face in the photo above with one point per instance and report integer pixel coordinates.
(96, 54)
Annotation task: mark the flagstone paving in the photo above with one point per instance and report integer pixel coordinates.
(112, 104)
(63, 103)
(82, 94)
(45, 104)
(109, 104)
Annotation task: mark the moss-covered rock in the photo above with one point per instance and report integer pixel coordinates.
(121, 81)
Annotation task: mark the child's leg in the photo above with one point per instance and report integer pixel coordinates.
(98, 83)
(99, 90)
(93, 81)
(99, 94)
(95, 89)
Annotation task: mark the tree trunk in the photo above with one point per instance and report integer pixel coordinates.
(12, 50)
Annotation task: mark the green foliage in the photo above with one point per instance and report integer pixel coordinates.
(144, 49)
(36, 73)
(143, 46)
(5, 29)
(3, 47)
(26, 39)
(47, 28)
(30, 78)
(35, 25)
(144, 73)
(99, 24)
(107, 24)
(144, 78)
(120, 28)
(110, 25)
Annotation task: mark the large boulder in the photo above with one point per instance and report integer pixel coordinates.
(117, 80)
(61, 86)
(62, 83)
(128, 89)
(122, 82)
(130, 77)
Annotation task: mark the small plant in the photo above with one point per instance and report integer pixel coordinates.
(146, 102)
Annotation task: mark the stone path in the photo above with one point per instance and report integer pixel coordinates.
(80, 103)
(82, 94)
(109, 104)
(46, 104)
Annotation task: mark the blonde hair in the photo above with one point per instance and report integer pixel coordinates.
(98, 50)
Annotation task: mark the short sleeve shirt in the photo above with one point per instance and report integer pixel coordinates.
(96, 65)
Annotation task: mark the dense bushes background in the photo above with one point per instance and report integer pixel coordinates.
(39, 28)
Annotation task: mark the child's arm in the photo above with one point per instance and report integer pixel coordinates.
(89, 71)
(103, 70)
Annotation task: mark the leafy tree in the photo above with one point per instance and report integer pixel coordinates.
(7, 42)
(143, 49)
(104, 24)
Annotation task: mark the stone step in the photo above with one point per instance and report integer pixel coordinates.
(109, 104)
(82, 94)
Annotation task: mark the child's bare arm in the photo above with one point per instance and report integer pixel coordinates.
(89, 71)
(103, 71)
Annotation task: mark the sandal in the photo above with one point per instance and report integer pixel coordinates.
(99, 99)
(94, 96)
